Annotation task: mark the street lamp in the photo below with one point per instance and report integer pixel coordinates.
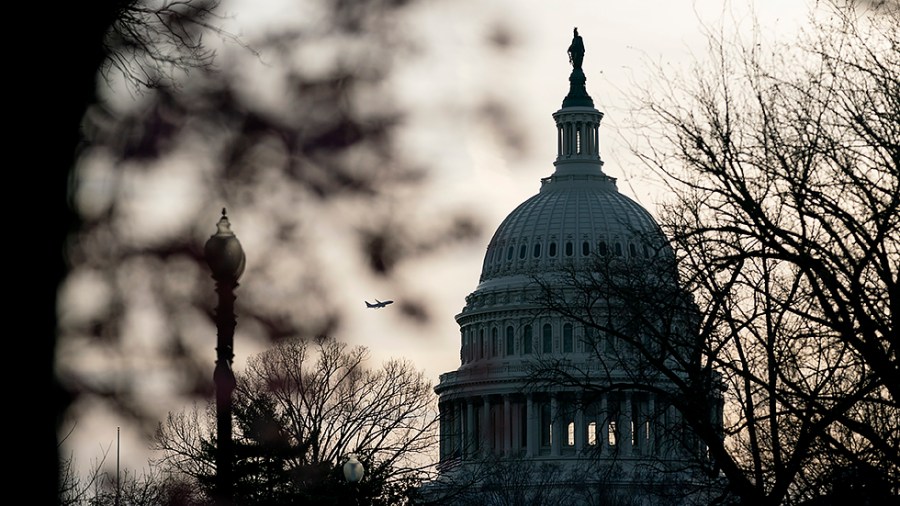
(353, 472)
(225, 258)
(353, 469)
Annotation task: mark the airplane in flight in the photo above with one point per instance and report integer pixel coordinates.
(378, 303)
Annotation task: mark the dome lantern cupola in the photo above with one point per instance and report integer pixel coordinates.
(578, 209)
(577, 122)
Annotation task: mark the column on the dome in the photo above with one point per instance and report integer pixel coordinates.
(506, 429)
(626, 433)
(603, 424)
(442, 431)
(571, 137)
(460, 429)
(714, 419)
(580, 429)
(448, 432)
(462, 346)
(486, 434)
(653, 424)
(637, 420)
(559, 140)
(671, 426)
(588, 140)
(555, 431)
(516, 427)
(530, 440)
(614, 428)
(470, 428)
(498, 429)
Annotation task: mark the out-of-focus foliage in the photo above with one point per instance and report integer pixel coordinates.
(293, 130)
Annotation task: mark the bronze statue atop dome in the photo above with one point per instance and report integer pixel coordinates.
(578, 95)
(576, 50)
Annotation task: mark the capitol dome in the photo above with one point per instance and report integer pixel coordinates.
(491, 407)
(574, 216)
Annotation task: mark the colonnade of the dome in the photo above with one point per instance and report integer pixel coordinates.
(577, 134)
(559, 425)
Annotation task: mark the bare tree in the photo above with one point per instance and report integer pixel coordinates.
(785, 174)
(100, 487)
(301, 408)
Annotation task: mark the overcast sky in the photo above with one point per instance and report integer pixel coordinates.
(620, 39)
(471, 168)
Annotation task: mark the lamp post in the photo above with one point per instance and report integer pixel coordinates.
(353, 472)
(225, 258)
(353, 469)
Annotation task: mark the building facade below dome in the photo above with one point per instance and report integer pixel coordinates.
(590, 445)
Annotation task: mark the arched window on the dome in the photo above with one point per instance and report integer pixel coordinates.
(547, 339)
(537, 250)
(570, 249)
(495, 343)
(551, 250)
(510, 340)
(618, 249)
(632, 250)
(509, 253)
(568, 339)
(585, 248)
(527, 340)
(522, 250)
(602, 248)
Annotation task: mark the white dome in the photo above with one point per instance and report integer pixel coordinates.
(569, 220)
(490, 405)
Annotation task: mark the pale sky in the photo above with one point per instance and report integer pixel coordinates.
(470, 169)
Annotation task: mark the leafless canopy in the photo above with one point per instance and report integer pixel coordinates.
(301, 408)
(784, 166)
